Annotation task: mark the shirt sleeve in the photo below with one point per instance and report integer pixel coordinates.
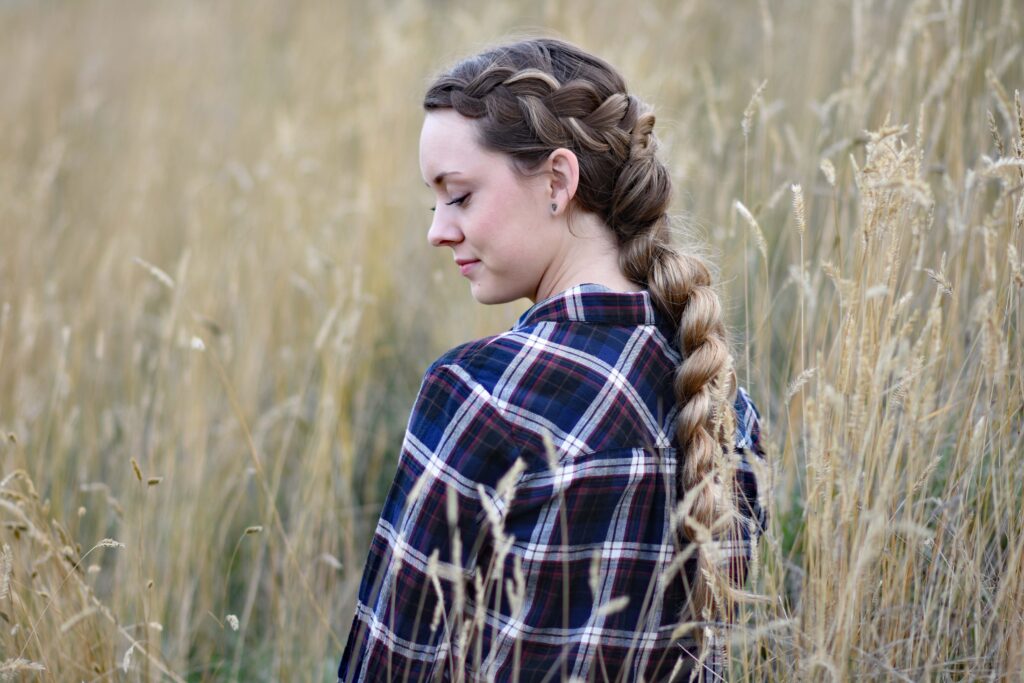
(751, 464)
(456, 444)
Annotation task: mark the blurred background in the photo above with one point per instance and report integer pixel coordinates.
(217, 302)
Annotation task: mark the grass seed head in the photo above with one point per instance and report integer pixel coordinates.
(829, 171)
(799, 213)
(752, 105)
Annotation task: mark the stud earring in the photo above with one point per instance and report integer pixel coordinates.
(554, 207)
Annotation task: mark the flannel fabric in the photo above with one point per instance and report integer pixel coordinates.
(558, 555)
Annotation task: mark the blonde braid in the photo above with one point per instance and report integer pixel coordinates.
(705, 386)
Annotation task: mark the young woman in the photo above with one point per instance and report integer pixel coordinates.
(571, 491)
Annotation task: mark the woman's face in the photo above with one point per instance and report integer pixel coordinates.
(497, 223)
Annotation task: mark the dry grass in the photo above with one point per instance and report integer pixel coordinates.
(216, 303)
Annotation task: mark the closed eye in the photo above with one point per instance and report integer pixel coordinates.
(457, 200)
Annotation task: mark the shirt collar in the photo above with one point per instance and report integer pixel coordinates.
(592, 303)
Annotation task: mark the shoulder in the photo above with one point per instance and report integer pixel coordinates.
(457, 415)
(480, 362)
(460, 385)
(465, 355)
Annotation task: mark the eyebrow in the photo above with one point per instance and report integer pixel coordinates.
(440, 177)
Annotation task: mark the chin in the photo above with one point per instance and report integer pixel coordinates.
(490, 297)
(487, 298)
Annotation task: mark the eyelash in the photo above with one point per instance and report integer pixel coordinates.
(457, 200)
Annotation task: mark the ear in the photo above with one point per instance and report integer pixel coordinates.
(565, 175)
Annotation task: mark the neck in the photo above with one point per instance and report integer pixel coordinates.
(588, 254)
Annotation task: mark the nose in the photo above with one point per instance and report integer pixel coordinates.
(443, 230)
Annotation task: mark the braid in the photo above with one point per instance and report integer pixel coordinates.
(535, 96)
(705, 380)
(705, 386)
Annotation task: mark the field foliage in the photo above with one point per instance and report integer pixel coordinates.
(217, 301)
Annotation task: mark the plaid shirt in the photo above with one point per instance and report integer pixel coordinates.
(589, 372)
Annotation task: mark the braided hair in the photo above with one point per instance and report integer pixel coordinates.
(534, 96)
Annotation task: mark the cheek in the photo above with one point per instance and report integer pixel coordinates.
(502, 211)
(509, 230)
(499, 223)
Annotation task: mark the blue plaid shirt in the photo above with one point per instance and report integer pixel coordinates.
(533, 498)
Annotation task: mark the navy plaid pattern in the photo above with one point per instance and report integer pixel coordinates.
(560, 555)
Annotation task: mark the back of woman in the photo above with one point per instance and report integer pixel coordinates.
(574, 496)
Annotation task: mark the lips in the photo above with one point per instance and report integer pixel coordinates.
(466, 265)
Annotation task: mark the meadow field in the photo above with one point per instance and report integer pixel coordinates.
(217, 302)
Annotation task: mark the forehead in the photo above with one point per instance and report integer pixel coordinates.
(448, 142)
